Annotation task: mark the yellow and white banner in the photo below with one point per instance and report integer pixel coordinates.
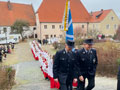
(65, 17)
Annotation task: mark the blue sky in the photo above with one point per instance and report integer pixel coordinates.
(91, 5)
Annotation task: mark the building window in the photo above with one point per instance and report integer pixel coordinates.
(51, 36)
(60, 26)
(115, 27)
(36, 36)
(112, 18)
(60, 36)
(4, 30)
(53, 26)
(34, 28)
(45, 26)
(54, 35)
(82, 26)
(108, 26)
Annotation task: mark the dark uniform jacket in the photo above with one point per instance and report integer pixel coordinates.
(119, 73)
(87, 62)
(0, 53)
(64, 65)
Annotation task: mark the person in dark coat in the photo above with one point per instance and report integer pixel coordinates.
(64, 67)
(0, 53)
(4, 52)
(118, 83)
(12, 46)
(87, 62)
(8, 49)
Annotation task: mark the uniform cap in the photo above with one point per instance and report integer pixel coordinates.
(88, 41)
(70, 43)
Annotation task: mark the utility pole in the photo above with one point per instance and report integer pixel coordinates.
(5, 31)
(87, 28)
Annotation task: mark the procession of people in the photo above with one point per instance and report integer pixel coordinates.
(46, 63)
(69, 67)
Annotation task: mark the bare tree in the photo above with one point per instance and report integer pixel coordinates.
(79, 33)
(117, 35)
(19, 26)
(93, 33)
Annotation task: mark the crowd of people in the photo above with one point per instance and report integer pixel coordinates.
(4, 50)
(44, 41)
(62, 68)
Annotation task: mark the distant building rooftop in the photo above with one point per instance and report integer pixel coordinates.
(10, 12)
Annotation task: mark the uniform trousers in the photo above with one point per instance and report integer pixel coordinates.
(65, 82)
(118, 83)
(0, 58)
(91, 83)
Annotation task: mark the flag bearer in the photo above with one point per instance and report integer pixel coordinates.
(64, 67)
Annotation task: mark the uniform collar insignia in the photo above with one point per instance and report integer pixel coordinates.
(64, 52)
(94, 60)
(83, 52)
(90, 51)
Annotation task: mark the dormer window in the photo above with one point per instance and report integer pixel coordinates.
(112, 18)
(101, 12)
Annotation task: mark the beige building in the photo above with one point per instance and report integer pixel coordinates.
(49, 18)
(50, 14)
(104, 21)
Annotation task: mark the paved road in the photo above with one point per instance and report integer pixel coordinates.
(30, 77)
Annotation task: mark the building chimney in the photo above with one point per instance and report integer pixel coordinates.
(101, 10)
(9, 5)
(91, 14)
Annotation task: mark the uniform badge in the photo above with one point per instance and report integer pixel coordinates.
(83, 59)
(83, 52)
(64, 52)
(94, 60)
(63, 59)
(90, 51)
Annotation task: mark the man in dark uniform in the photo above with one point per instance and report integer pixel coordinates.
(0, 53)
(118, 84)
(87, 60)
(64, 67)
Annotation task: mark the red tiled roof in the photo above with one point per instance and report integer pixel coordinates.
(53, 11)
(103, 13)
(17, 12)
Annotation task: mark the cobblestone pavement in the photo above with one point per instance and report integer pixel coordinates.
(30, 77)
